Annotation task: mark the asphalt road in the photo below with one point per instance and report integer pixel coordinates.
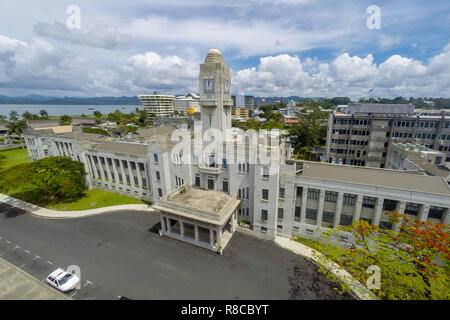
(120, 255)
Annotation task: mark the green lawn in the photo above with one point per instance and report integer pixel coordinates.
(95, 198)
(10, 158)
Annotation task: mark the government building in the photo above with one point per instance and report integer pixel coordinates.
(202, 199)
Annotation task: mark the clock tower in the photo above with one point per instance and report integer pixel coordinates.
(215, 93)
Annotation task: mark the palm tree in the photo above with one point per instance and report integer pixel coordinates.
(17, 127)
(13, 116)
(27, 115)
(44, 114)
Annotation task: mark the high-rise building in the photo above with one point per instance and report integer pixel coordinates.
(157, 105)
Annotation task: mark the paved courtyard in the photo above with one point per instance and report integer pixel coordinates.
(121, 254)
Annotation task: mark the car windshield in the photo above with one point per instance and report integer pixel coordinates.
(64, 279)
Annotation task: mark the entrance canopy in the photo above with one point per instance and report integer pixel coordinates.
(204, 218)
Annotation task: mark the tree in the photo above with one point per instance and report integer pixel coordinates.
(311, 129)
(65, 120)
(142, 118)
(413, 263)
(2, 117)
(45, 181)
(17, 127)
(13, 116)
(97, 114)
(27, 115)
(44, 114)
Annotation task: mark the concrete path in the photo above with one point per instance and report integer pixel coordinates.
(54, 214)
(358, 289)
(15, 284)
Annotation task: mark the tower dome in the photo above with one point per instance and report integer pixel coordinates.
(214, 56)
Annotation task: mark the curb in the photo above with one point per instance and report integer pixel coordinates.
(356, 287)
(45, 213)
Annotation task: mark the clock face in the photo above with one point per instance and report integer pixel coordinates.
(208, 85)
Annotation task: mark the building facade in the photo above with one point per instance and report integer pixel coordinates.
(363, 135)
(284, 198)
(157, 105)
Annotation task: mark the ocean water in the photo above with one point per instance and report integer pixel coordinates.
(59, 110)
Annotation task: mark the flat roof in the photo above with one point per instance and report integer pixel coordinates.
(121, 147)
(202, 199)
(386, 178)
(208, 206)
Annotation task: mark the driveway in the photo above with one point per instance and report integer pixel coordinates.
(120, 254)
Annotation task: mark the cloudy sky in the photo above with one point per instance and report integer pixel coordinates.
(274, 47)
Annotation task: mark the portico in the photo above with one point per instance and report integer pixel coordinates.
(204, 218)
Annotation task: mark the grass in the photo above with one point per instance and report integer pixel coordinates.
(95, 198)
(10, 158)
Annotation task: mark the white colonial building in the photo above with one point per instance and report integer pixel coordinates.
(201, 199)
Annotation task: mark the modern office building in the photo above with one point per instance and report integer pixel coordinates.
(363, 135)
(201, 200)
(157, 105)
(244, 101)
(187, 104)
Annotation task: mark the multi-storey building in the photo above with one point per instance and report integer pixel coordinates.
(187, 104)
(363, 135)
(157, 105)
(200, 200)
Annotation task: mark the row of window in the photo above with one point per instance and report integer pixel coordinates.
(345, 220)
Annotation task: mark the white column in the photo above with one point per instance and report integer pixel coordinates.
(124, 176)
(211, 236)
(304, 201)
(358, 207)
(233, 222)
(116, 173)
(219, 235)
(169, 228)
(320, 207)
(102, 172)
(378, 211)
(181, 228)
(196, 232)
(130, 172)
(337, 215)
(446, 217)
(163, 225)
(423, 215)
(138, 173)
(400, 209)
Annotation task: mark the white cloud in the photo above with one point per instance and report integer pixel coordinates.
(347, 75)
(40, 65)
(99, 36)
(248, 36)
(388, 42)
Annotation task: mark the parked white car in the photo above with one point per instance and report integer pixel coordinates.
(63, 280)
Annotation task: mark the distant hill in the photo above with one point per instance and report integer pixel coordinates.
(38, 99)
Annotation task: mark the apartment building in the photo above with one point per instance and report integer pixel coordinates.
(157, 105)
(363, 135)
(282, 198)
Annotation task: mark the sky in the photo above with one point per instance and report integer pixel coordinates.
(308, 48)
